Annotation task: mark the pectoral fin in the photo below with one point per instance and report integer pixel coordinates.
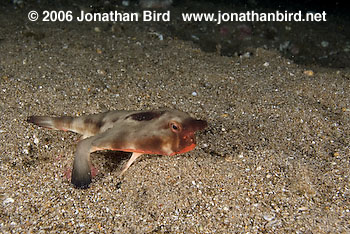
(81, 173)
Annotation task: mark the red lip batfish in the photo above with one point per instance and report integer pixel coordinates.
(162, 132)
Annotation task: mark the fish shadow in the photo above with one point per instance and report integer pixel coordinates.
(114, 160)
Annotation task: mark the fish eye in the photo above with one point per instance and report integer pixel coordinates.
(175, 127)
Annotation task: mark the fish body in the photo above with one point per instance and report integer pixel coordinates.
(163, 132)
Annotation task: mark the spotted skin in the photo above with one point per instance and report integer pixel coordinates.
(162, 132)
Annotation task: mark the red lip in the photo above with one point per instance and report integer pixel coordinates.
(185, 149)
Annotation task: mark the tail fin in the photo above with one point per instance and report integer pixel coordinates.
(57, 123)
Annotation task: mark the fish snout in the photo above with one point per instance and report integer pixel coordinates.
(193, 125)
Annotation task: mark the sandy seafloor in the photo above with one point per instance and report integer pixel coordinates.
(274, 159)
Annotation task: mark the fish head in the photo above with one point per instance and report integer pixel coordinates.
(174, 132)
(183, 134)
